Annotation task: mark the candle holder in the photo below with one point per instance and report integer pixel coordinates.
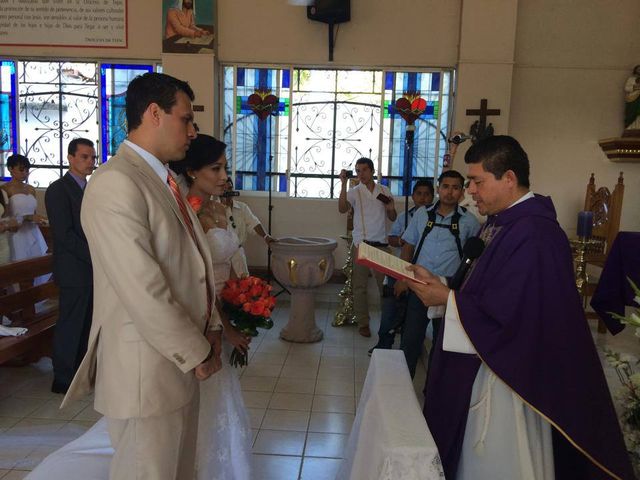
(345, 314)
(580, 247)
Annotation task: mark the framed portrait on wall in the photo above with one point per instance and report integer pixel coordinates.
(188, 26)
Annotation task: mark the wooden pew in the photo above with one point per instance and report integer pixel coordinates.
(20, 308)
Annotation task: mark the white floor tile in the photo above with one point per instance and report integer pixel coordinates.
(295, 385)
(285, 420)
(275, 467)
(278, 442)
(333, 404)
(291, 401)
(323, 422)
(325, 445)
(319, 468)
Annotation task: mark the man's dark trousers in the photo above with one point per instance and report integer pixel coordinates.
(392, 311)
(74, 276)
(413, 332)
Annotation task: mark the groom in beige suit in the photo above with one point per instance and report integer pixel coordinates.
(155, 332)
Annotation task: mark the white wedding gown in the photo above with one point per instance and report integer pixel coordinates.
(224, 434)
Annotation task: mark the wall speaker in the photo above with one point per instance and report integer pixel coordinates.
(330, 11)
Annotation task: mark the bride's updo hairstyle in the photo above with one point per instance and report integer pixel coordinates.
(204, 150)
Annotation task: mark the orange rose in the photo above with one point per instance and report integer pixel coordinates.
(195, 202)
(246, 307)
(257, 308)
(255, 291)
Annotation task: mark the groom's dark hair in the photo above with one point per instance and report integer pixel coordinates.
(152, 88)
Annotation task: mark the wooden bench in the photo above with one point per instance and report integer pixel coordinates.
(19, 306)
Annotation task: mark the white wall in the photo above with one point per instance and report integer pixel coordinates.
(567, 62)
(572, 59)
(381, 32)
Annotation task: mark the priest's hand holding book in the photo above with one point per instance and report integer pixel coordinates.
(431, 291)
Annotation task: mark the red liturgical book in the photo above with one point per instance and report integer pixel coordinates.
(384, 262)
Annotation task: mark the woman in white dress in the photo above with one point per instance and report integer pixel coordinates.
(224, 434)
(27, 241)
(8, 225)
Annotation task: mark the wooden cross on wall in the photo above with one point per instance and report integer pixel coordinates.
(483, 112)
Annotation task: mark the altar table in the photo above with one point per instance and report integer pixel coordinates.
(390, 439)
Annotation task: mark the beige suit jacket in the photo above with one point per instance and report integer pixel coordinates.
(150, 295)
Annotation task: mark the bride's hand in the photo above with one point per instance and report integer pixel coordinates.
(238, 339)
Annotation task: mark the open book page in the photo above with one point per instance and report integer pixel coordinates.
(384, 262)
(204, 40)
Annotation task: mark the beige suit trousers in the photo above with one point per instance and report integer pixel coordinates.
(359, 282)
(155, 448)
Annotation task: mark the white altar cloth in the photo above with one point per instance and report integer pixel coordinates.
(86, 458)
(390, 439)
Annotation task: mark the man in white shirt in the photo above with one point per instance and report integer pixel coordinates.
(372, 205)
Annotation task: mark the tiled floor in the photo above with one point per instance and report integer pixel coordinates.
(301, 399)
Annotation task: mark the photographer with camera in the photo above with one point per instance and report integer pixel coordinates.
(242, 220)
(372, 205)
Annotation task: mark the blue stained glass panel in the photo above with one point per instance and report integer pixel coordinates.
(240, 77)
(388, 80)
(411, 154)
(8, 131)
(260, 138)
(113, 88)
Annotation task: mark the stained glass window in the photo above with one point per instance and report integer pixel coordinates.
(416, 111)
(8, 131)
(114, 80)
(58, 102)
(334, 118)
(256, 126)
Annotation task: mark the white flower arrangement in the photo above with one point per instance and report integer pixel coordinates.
(629, 395)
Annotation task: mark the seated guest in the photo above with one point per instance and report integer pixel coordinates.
(242, 221)
(372, 205)
(393, 308)
(516, 389)
(71, 263)
(434, 239)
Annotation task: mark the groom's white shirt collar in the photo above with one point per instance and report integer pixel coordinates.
(156, 165)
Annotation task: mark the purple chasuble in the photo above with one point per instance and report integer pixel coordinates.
(522, 312)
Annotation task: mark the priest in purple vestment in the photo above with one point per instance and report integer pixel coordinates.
(520, 313)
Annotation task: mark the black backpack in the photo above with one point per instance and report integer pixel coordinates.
(454, 228)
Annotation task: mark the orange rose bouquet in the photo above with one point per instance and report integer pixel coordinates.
(249, 303)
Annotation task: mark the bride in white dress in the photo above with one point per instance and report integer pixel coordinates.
(224, 434)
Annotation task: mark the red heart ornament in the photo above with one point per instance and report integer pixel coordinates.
(410, 110)
(403, 104)
(262, 107)
(419, 105)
